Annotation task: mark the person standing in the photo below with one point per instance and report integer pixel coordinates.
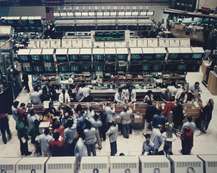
(25, 80)
(4, 127)
(14, 110)
(187, 136)
(80, 150)
(70, 134)
(90, 139)
(57, 145)
(44, 140)
(125, 122)
(207, 115)
(178, 116)
(97, 123)
(112, 134)
(22, 133)
(64, 97)
(35, 96)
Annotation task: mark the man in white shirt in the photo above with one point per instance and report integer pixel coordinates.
(109, 113)
(119, 96)
(64, 97)
(35, 96)
(84, 93)
(44, 141)
(195, 89)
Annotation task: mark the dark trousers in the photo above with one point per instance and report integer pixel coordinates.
(4, 127)
(91, 149)
(126, 130)
(186, 147)
(24, 146)
(69, 149)
(26, 86)
(113, 146)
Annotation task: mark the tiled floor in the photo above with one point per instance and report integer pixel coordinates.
(203, 144)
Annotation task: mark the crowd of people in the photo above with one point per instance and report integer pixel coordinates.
(78, 131)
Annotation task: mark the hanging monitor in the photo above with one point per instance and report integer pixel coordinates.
(61, 55)
(47, 55)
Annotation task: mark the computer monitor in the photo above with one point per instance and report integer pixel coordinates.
(160, 56)
(73, 57)
(136, 57)
(146, 67)
(36, 58)
(85, 58)
(197, 56)
(37, 68)
(74, 68)
(48, 58)
(61, 58)
(157, 67)
(173, 56)
(99, 67)
(148, 56)
(122, 57)
(85, 67)
(49, 67)
(98, 57)
(110, 57)
(63, 68)
(135, 68)
(24, 58)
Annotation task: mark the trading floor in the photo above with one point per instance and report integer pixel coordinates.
(203, 144)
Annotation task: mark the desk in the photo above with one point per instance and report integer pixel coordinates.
(212, 82)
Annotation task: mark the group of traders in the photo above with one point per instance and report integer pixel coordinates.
(75, 131)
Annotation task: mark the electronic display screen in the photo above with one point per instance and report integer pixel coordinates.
(23, 58)
(160, 56)
(74, 68)
(158, 67)
(98, 57)
(146, 67)
(48, 58)
(148, 56)
(37, 68)
(64, 68)
(36, 58)
(110, 57)
(122, 57)
(136, 57)
(197, 56)
(61, 58)
(99, 67)
(85, 58)
(73, 57)
(173, 56)
(49, 67)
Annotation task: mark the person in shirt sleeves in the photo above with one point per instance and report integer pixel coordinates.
(148, 146)
(57, 145)
(44, 141)
(119, 96)
(90, 139)
(35, 96)
(64, 97)
(112, 134)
